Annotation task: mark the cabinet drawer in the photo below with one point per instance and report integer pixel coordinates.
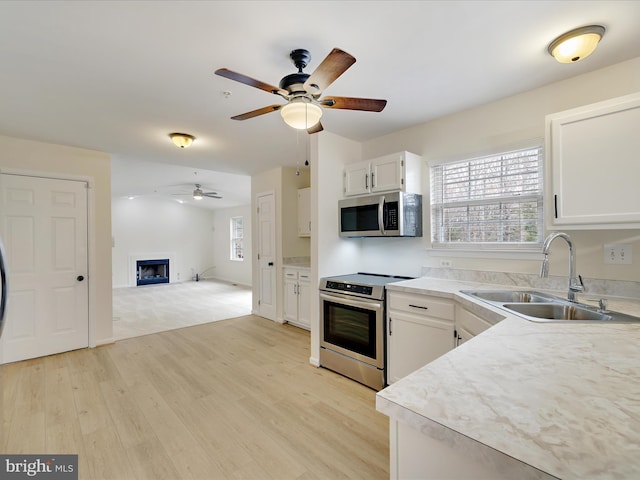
(470, 321)
(422, 305)
(304, 276)
(291, 274)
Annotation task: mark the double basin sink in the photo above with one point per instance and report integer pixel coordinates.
(542, 307)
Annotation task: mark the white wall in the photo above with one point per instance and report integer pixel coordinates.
(224, 268)
(492, 128)
(330, 254)
(155, 225)
(68, 162)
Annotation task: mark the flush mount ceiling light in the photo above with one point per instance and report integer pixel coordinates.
(182, 140)
(301, 114)
(576, 44)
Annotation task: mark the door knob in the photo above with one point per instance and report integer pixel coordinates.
(80, 278)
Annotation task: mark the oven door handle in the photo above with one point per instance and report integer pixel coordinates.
(346, 300)
(381, 215)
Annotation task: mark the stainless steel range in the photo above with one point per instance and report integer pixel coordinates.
(352, 319)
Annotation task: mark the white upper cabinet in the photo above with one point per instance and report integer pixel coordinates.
(593, 166)
(391, 173)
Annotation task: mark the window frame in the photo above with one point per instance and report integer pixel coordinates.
(233, 239)
(497, 246)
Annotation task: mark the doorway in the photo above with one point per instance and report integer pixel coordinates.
(267, 255)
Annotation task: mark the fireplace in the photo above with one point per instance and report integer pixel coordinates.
(150, 272)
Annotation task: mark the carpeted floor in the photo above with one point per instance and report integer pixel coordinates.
(157, 308)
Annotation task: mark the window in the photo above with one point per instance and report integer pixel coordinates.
(237, 236)
(488, 202)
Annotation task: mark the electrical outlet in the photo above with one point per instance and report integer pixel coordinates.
(446, 263)
(618, 254)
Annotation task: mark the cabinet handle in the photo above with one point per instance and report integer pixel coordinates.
(390, 326)
(419, 306)
(366, 180)
(555, 206)
(373, 180)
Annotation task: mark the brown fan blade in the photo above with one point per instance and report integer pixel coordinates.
(255, 113)
(334, 65)
(315, 129)
(350, 103)
(238, 77)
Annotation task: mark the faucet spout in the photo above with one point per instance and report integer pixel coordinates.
(575, 281)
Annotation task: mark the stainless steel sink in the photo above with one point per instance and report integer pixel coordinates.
(542, 307)
(511, 296)
(557, 311)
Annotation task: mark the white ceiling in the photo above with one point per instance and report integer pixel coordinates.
(119, 76)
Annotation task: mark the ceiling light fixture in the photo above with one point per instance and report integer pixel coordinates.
(182, 140)
(300, 113)
(577, 44)
(197, 193)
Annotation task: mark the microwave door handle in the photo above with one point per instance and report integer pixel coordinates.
(381, 215)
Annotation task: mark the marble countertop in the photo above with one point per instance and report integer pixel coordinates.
(563, 398)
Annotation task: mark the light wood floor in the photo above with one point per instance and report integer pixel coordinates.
(233, 399)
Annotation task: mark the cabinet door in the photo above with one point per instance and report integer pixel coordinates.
(356, 179)
(304, 212)
(463, 336)
(290, 299)
(594, 168)
(387, 173)
(415, 341)
(304, 301)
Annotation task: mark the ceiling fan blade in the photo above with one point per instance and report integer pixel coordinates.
(258, 112)
(334, 65)
(315, 129)
(252, 82)
(350, 103)
(211, 195)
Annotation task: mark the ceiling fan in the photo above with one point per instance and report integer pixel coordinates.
(303, 91)
(198, 194)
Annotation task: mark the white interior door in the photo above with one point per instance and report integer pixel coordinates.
(44, 228)
(267, 255)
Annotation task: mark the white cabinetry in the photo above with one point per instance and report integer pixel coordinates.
(297, 296)
(395, 172)
(592, 165)
(419, 329)
(304, 212)
(468, 325)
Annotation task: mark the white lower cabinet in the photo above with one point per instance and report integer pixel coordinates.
(420, 328)
(297, 297)
(468, 325)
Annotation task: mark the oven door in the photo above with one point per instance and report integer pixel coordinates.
(353, 327)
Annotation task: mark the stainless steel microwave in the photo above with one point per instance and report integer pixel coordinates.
(394, 214)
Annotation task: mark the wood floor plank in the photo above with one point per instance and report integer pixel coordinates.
(234, 399)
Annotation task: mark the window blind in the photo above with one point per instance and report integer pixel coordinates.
(493, 200)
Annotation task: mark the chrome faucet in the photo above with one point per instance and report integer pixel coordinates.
(575, 282)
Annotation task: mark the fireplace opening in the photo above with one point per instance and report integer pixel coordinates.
(149, 272)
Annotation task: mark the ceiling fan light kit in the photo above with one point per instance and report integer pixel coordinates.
(301, 114)
(302, 91)
(182, 140)
(576, 44)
